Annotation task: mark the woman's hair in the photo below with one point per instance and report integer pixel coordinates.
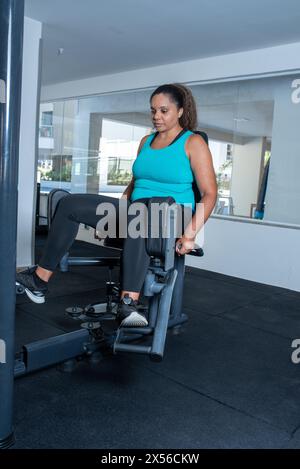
(183, 98)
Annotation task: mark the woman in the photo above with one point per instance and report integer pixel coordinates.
(166, 164)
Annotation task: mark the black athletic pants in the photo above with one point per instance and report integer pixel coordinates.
(81, 208)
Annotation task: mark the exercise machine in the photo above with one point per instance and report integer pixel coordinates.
(163, 287)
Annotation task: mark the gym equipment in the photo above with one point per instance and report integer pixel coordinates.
(11, 52)
(260, 204)
(165, 272)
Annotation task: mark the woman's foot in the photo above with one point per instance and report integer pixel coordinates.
(128, 314)
(35, 288)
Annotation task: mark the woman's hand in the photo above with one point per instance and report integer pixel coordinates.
(184, 245)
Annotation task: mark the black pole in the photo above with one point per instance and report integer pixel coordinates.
(11, 51)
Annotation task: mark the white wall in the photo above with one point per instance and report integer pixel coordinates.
(266, 254)
(27, 156)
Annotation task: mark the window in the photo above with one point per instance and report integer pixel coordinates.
(46, 127)
(253, 133)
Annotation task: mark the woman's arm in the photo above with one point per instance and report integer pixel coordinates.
(128, 191)
(202, 167)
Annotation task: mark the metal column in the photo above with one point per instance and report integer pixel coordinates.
(11, 52)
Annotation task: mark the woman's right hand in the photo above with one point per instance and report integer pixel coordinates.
(184, 245)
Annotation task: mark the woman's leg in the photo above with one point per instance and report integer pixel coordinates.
(135, 259)
(134, 265)
(134, 272)
(72, 210)
(81, 208)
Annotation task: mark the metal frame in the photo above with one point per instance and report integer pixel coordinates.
(11, 55)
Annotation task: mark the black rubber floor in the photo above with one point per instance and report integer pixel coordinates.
(227, 381)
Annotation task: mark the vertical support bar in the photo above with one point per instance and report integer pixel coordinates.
(11, 55)
(160, 331)
(37, 205)
(153, 310)
(176, 306)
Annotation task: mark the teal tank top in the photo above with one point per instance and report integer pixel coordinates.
(164, 172)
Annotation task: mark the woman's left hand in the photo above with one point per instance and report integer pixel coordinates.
(184, 245)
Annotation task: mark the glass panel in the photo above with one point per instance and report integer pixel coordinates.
(118, 147)
(89, 144)
(282, 200)
(93, 144)
(252, 142)
(52, 165)
(216, 108)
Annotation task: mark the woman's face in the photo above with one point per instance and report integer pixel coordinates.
(164, 112)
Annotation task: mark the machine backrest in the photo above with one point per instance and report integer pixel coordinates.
(196, 191)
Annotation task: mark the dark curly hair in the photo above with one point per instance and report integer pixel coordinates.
(183, 98)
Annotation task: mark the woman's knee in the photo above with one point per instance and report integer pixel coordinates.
(66, 202)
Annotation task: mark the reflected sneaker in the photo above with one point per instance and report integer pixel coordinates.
(128, 314)
(35, 287)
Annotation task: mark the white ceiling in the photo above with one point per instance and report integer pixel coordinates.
(108, 36)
